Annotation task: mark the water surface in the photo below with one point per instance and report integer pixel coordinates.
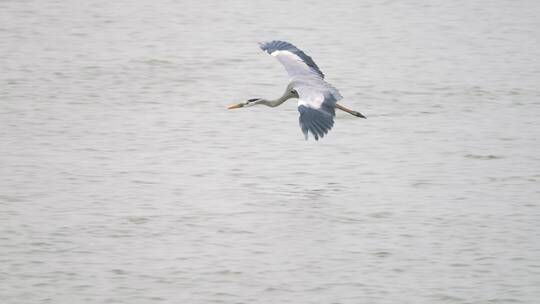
(123, 179)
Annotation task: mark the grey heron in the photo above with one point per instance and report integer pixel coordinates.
(317, 99)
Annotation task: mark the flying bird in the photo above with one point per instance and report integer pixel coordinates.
(317, 99)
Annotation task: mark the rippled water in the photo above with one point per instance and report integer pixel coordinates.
(124, 179)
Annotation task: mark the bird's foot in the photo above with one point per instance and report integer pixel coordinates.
(358, 114)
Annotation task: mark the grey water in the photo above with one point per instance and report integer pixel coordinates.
(124, 179)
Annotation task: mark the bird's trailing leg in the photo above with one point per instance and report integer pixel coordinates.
(357, 114)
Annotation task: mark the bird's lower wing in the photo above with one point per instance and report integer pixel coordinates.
(316, 106)
(315, 121)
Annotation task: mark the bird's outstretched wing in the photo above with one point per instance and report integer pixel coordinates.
(293, 59)
(317, 98)
(316, 104)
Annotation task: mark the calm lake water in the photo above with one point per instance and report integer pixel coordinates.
(124, 179)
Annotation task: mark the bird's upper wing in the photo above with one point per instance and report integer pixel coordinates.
(293, 59)
(317, 98)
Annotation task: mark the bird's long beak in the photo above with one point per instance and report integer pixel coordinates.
(235, 106)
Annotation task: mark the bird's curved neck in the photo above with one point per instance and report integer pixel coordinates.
(276, 102)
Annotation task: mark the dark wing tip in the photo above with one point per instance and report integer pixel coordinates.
(275, 45)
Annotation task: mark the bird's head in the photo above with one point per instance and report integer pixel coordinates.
(248, 103)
